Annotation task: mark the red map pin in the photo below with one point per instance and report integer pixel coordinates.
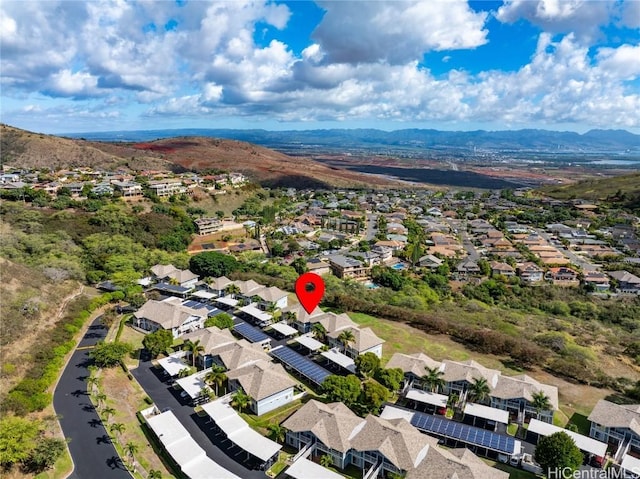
(309, 290)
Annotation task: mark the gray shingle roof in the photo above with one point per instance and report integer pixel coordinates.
(609, 414)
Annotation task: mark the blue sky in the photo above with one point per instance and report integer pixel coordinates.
(71, 66)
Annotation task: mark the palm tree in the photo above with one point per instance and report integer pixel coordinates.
(479, 390)
(154, 474)
(541, 402)
(433, 380)
(116, 429)
(326, 460)
(131, 448)
(184, 372)
(346, 337)
(277, 432)
(319, 331)
(205, 393)
(216, 376)
(93, 382)
(100, 398)
(108, 412)
(232, 289)
(240, 400)
(195, 348)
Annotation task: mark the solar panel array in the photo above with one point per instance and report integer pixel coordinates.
(301, 364)
(251, 334)
(197, 305)
(464, 433)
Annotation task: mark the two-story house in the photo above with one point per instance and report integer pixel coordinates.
(171, 315)
(515, 394)
(616, 424)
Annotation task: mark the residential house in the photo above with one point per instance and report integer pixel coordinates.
(210, 338)
(617, 425)
(529, 272)
(317, 266)
(171, 315)
(266, 383)
(379, 446)
(515, 395)
(468, 267)
(171, 274)
(430, 261)
(167, 187)
(501, 269)
(627, 282)
(414, 366)
(271, 298)
(298, 317)
(127, 188)
(237, 354)
(345, 267)
(458, 376)
(218, 286)
(562, 276)
(248, 290)
(207, 226)
(599, 281)
(365, 341)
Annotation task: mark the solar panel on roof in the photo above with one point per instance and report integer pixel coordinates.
(302, 364)
(464, 433)
(250, 333)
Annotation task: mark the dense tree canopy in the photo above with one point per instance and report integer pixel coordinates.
(343, 389)
(106, 355)
(214, 264)
(17, 439)
(367, 364)
(158, 341)
(222, 321)
(390, 378)
(558, 452)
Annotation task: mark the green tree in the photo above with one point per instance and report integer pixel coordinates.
(158, 341)
(131, 448)
(216, 377)
(300, 265)
(346, 338)
(108, 412)
(541, 402)
(45, 454)
(100, 398)
(374, 396)
(433, 380)
(240, 400)
(319, 331)
(326, 460)
(154, 474)
(277, 432)
(194, 348)
(479, 390)
(106, 355)
(92, 383)
(342, 389)
(116, 429)
(222, 321)
(214, 264)
(390, 378)
(558, 452)
(367, 364)
(17, 439)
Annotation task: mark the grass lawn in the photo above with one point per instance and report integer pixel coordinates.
(260, 423)
(133, 337)
(512, 429)
(127, 398)
(402, 338)
(581, 421)
(514, 472)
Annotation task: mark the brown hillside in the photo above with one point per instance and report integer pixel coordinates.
(32, 150)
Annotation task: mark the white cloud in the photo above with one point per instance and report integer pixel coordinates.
(396, 31)
(583, 17)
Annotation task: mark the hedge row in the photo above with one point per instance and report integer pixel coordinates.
(48, 357)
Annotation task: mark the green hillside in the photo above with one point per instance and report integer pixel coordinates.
(624, 190)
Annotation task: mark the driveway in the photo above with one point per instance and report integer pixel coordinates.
(164, 396)
(93, 454)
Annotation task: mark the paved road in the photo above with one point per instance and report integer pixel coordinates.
(574, 258)
(93, 454)
(218, 449)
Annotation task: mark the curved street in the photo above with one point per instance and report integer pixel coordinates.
(93, 455)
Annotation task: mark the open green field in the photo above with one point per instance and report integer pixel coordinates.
(596, 189)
